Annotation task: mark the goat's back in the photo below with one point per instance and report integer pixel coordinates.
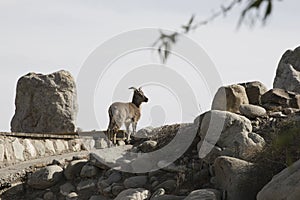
(121, 112)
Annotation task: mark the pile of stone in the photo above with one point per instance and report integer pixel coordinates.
(219, 163)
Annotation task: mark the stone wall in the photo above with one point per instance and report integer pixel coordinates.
(20, 147)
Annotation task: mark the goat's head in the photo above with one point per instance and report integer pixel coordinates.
(139, 95)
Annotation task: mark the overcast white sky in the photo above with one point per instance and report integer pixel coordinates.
(45, 36)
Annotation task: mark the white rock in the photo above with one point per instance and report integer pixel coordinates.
(30, 148)
(18, 150)
(40, 148)
(133, 194)
(49, 146)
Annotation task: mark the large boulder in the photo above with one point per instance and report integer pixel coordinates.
(229, 98)
(45, 177)
(285, 185)
(252, 111)
(237, 177)
(74, 168)
(288, 71)
(279, 98)
(228, 134)
(254, 90)
(45, 103)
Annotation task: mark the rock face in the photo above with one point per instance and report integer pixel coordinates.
(229, 98)
(232, 134)
(254, 91)
(45, 103)
(285, 185)
(288, 71)
(234, 176)
(280, 98)
(252, 111)
(45, 177)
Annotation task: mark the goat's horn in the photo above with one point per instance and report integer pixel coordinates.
(140, 88)
(133, 88)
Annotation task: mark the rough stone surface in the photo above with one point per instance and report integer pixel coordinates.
(85, 184)
(18, 149)
(60, 146)
(45, 177)
(252, 111)
(67, 188)
(49, 196)
(285, 185)
(169, 197)
(29, 148)
(1, 150)
(236, 178)
(72, 196)
(210, 194)
(40, 147)
(49, 146)
(232, 135)
(45, 103)
(229, 98)
(168, 185)
(135, 181)
(148, 146)
(280, 98)
(98, 197)
(288, 71)
(133, 194)
(74, 168)
(254, 91)
(89, 171)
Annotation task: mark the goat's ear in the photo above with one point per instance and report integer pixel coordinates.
(132, 88)
(140, 88)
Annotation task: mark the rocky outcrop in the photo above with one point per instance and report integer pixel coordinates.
(254, 90)
(236, 177)
(230, 133)
(229, 98)
(285, 185)
(277, 98)
(288, 71)
(45, 103)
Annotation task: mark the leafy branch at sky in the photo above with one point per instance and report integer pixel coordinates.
(255, 10)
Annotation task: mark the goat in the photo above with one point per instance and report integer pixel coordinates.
(125, 113)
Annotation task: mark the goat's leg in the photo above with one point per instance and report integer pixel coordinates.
(134, 128)
(115, 138)
(127, 125)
